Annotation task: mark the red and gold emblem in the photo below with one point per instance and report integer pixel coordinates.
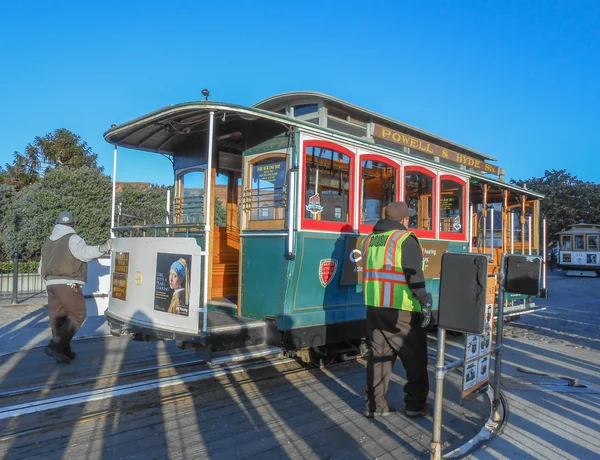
(327, 270)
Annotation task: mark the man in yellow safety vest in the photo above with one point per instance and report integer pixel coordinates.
(398, 313)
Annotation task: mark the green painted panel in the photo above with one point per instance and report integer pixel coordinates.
(313, 299)
(263, 275)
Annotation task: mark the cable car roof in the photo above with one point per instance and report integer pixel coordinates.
(298, 97)
(179, 129)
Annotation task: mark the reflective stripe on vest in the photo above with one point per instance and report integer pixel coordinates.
(384, 283)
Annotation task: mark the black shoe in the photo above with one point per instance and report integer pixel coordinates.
(57, 355)
(70, 354)
(424, 412)
(379, 413)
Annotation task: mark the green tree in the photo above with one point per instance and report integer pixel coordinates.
(32, 213)
(220, 213)
(568, 200)
(149, 205)
(62, 149)
(58, 149)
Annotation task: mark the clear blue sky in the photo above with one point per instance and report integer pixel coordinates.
(518, 80)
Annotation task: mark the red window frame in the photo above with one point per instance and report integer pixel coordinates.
(366, 228)
(342, 227)
(434, 218)
(451, 235)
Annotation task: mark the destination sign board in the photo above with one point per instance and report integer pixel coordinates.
(396, 137)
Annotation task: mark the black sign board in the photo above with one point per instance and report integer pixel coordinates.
(463, 289)
(522, 274)
(353, 263)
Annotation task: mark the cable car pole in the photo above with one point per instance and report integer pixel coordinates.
(207, 216)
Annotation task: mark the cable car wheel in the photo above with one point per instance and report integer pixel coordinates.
(324, 355)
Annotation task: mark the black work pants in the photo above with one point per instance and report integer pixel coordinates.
(394, 333)
(66, 310)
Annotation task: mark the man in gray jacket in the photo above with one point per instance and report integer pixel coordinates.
(64, 268)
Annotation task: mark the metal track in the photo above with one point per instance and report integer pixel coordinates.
(140, 386)
(110, 391)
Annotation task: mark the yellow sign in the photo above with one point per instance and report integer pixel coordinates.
(139, 278)
(396, 137)
(119, 278)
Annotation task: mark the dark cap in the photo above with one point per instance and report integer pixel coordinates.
(65, 218)
(398, 210)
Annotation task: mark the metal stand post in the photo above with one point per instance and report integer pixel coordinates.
(496, 415)
(15, 277)
(440, 371)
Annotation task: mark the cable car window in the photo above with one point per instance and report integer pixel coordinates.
(452, 205)
(565, 242)
(265, 193)
(419, 192)
(327, 185)
(305, 109)
(378, 189)
(592, 242)
(189, 203)
(579, 243)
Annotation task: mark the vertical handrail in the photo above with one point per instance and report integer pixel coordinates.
(529, 232)
(168, 209)
(440, 370)
(291, 211)
(496, 415)
(114, 193)
(471, 227)
(545, 252)
(492, 233)
(207, 228)
(512, 232)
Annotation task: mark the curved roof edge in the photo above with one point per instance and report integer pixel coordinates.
(285, 97)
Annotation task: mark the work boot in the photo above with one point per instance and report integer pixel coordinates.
(424, 412)
(57, 355)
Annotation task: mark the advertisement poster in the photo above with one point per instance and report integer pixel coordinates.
(432, 257)
(119, 278)
(472, 347)
(470, 376)
(478, 348)
(172, 288)
(486, 343)
(483, 372)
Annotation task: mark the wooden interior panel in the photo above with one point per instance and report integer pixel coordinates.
(225, 262)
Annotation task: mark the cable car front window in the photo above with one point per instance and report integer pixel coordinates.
(189, 204)
(565, 242)
(268, 189)
(579, 243)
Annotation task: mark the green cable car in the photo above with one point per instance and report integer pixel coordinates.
(262, 241)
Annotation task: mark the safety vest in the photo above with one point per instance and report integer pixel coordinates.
(384, 283)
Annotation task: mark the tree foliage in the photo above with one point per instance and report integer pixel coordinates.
(31, 215)
(568, 200)
(58, 149)
(139, 205)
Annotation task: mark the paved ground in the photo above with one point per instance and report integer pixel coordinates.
(551, 376)
(545, 354)
(25, 325)
(288, 412)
